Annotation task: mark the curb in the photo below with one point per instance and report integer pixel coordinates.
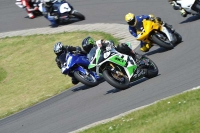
(117, 30)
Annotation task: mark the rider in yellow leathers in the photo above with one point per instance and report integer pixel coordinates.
(136, 26)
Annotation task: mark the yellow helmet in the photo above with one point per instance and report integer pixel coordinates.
(130, 19)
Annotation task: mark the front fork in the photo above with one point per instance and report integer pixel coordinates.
(88, 72)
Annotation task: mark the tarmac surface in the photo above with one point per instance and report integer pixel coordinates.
(81, 106)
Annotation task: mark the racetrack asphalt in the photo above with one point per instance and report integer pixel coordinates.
(81, 106)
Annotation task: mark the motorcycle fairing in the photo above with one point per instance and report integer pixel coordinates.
(64, 8)
(148, 26)
(81, 69)
(187, 5)
(117, 58)
(71, 60)
(167, 33)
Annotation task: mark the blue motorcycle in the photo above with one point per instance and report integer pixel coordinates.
(77, 65)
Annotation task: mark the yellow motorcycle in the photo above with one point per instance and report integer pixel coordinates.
(155, 32)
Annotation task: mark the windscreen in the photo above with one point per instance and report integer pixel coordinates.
(91, 53)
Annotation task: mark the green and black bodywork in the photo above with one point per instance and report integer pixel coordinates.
(119, 69)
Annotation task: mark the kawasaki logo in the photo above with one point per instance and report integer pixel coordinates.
(119, 59)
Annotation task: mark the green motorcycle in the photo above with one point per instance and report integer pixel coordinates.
(118, 69)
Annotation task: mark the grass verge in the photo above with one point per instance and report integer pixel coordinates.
(28, 72)
(178, 114)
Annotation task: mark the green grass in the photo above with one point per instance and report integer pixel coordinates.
(28, 72)
(179, 114)
(3, 74)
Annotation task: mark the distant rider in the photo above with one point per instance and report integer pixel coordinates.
(136, 26)
(60, 50)
(176, 6)
(49, 11)
(29, 5)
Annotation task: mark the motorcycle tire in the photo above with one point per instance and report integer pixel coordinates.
(161, 43)
(84, 79)
(79, 15)
(152, 69)
(178, 37)
(112, 81)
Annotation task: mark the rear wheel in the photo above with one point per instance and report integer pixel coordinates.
(116, 81)
(88, 80)
(78, 15)
(162, 41)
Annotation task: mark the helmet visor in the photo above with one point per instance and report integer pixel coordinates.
(132, 22)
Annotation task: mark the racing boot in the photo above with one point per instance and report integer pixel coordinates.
(74, 81)
(144, 48)
(148, 45)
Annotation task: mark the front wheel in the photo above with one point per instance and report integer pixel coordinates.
(78, 15)
(88, 80)
(152, 69)
(178, 37)
(119, 83)
(162, 41)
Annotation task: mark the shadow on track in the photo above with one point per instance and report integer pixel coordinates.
(115, 90)
(70, 21)
(84, 87)
(154, 50)
(191, 19)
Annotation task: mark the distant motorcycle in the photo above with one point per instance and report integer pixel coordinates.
(77, 65)
(63, 11)
(186, 6)
(31, 7)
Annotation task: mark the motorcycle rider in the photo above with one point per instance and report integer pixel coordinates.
(89, 44)
(176, 6)
(48, 11)
(60, 50)
(29, 5)
(136, 26)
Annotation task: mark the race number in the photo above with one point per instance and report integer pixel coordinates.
(65, 8)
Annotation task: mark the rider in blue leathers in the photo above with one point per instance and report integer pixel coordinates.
(136, 26)
(48, 11)
(60, 50)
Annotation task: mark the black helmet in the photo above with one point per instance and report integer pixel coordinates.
(49, 3)
(87, 44)
(58, 48)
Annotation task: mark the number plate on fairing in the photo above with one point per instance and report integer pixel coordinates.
(65, 8)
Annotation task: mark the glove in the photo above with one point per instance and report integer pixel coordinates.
(36, 8)
(55, 17)
(107, 43)
(78, 49)
(152, 18)
(108, 48)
